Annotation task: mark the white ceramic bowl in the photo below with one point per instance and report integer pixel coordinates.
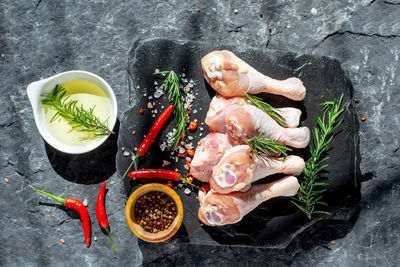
(45, 86)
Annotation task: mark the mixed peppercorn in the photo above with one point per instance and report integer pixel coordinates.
(155, 211)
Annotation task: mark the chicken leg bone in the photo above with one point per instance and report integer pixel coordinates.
(222, 209)
(230, 76)
(236, 171)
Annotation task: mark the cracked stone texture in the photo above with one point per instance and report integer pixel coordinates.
(41, 38)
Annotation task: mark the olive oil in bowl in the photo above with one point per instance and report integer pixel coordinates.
(88, 95)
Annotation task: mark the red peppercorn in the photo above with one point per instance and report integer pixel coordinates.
(181, 155)
(169, 183)
(189, 177)
(193, 125)
(141, 111)
(188, 163)
(188, 112)
(190, 152)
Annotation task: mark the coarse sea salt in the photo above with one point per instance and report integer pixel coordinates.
(126, 153)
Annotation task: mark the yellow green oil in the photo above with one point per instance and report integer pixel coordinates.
(87, 94)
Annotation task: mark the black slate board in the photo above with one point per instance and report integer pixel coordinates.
(276, 222)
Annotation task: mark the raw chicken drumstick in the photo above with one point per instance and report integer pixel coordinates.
(220, 209)
(208, 153)
(236, 171)
(249, 121)
(220, 106)
(230, 76)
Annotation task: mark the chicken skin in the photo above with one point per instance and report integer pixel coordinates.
(220, 106)
(236, 171)
(230, 76)
(208, 153)
(221, 209)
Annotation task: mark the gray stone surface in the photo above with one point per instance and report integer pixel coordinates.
(43, 37)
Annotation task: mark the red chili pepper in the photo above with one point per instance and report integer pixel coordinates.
(158, 173)
(141, 111)
(193, 125)
(101, 214)
(151, 135)
(190, 152)
(75, 204)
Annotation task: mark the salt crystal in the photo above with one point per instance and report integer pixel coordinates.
(187, 191)
(313, 11)
(194, 111)
(158, 93)
(183, 75)
(95, 238)
(154, 115)
(190, 137)
(145, 94)
(191, 81)
(126, 153)
(186, 167)
(188, 158)
(156, 70)
(155, 83)
(180, 185)
(200, 134)
(182, 149)
(176, 169)
(201, 128)
(85, 202)
(150, 97)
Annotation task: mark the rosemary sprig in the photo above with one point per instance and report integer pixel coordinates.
(175, 86)
(310, 194)
(81, 119)
(262, 145)
(267, 108)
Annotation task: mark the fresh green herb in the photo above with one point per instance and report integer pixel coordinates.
(267, 108)
(81, 119)
(262, 145)
(175, 86)
(310, 193)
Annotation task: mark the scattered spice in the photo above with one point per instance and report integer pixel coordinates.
(169, 183)
(357, 100)
(193, 125)
(235, 10)
(155, 211)
(280, 30)
(333, 242)
(62, 241)
(261, 15)
(149, 105)
(181, 155)
(190, 152)
(133, 132)
(141, 111)
(288, 26)
(6, 180)
(188, 112)
(198, 10)
(363, 118)
(188, 163)
(166, 163)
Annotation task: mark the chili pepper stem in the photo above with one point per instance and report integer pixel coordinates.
(138, 155)
(107, 228)
(62, 200)
(184, 180)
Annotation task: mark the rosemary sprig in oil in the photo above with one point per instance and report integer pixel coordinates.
(267, 108)
(81, 119)
(310, 193)
(175, 86)
(262, 145)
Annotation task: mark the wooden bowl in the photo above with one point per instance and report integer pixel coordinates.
(137, 229)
